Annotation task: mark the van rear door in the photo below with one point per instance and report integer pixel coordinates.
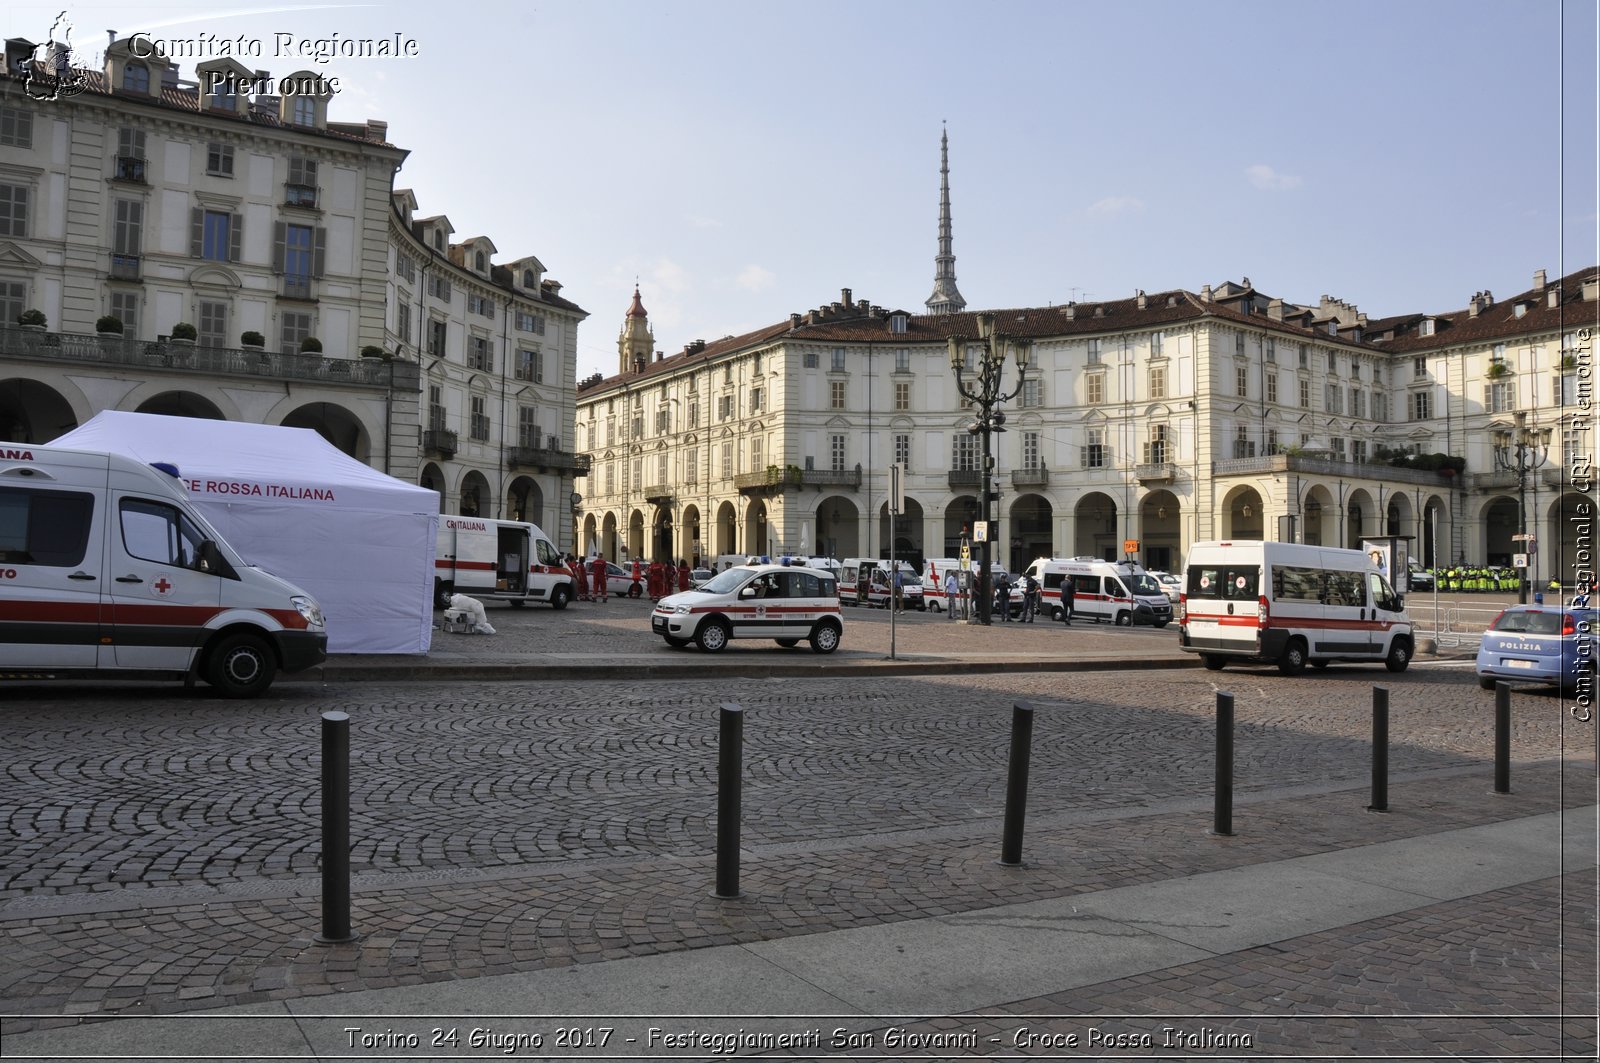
(159, 602)
(51, 540)
(1223, 605)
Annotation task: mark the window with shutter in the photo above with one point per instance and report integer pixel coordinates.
(301, 190)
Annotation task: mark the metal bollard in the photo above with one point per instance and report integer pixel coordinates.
(1380, 750)
(335, 829)
(1222, 817)
(1017, 783)
(1502, 738)
(730, 759)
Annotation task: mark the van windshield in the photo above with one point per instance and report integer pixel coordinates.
(1143, 584)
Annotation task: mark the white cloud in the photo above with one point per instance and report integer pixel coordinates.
(754, 279)
(668, 276)
(1266, 177)
(1114, 205)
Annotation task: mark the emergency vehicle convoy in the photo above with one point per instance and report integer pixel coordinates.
(1115, 592)
(107, 571)
(499, 561)
(1290, 604)
(785, 603)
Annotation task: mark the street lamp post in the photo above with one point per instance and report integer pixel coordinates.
(1522, 450)
(984, 391)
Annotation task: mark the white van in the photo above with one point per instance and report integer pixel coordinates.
(1291, 604)
(499, 561)
(879, 589)
(107, 571)
(1116, 592)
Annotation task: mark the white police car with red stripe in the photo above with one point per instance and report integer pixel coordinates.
(785, 603)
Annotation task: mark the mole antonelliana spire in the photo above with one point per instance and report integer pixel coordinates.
(946, 297)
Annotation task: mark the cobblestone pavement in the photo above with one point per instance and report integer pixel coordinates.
(159, 848)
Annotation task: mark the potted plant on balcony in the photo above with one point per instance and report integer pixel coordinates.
(1568, 362)
(310, 345)
(371, 351)
(108, 325)
(183, 334)
(252, 341)
(32, 320)
(1497, 370)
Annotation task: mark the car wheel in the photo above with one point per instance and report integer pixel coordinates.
(1212, 662)
(935, 607)
(1055, 615)
(1486, 682)
(825, 637)
(1293, 661)
(675, 642)
(787, 644)
(1399, 656)
(442, 593)
(558, 598)
(241, 666)
(1124, 619)
(633, 590)
(713, 636)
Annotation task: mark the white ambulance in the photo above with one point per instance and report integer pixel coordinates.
(879, 583)
(499, 561)
(1115, 592)
(107, 571)
(1290, 604)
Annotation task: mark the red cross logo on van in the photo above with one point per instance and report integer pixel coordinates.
(163, 587)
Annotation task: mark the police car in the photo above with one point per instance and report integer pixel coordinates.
(785, 603)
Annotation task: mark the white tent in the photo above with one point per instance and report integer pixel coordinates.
(360, 541)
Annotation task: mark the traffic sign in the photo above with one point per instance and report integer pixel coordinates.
(1522, 537)
(1519, 560)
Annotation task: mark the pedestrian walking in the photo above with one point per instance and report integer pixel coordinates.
(952, 594)
(1068, 593)
(1002, 599)
(683, 575)
(598, 568)
(580, 576)
(1030, 598)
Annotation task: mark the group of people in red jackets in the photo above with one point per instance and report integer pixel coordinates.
(659, 578)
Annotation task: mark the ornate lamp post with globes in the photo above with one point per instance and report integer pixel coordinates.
(984, 391)
(1522, 450)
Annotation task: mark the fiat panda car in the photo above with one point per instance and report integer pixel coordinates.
(785, 603)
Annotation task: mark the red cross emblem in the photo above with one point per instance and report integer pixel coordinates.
(163, 587)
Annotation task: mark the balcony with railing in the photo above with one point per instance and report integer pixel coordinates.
(968, 479)
(547, 458)
(1155, 472)
(300, 196)
(440, 442)
(659, 494)
(125, 267)
(296, 286)
(1499, 480)
(1036, 477)
(127, 353)
(1270, 464)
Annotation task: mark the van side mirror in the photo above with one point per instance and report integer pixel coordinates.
(209, 559)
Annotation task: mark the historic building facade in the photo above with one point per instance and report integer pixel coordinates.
(200, 247)
(1161, 419)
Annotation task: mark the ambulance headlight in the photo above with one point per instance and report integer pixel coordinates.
(680, 610)
(308, 609)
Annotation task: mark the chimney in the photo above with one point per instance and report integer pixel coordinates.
(1488, 298)
(1099, 310)
(794, 321)
(844, 297)
(1072, 310)
(1591, 289)
(1475, 305)
(1538, 280)
(1140, 300)
(1205, 294)
(1552, 298)
(1275, 309)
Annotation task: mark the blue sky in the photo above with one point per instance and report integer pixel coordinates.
(748, 159)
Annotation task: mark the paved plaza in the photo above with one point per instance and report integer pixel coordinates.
(528, 844)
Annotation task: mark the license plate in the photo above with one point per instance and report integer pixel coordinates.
(658, 624)
(1518, 664)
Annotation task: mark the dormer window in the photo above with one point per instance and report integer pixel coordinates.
(897, 323)
(224, 96)
(438, 241)
(305, 112)
(1519, 309)
(1426, 328)
(136, 78)
(480, 261)
(529, 280)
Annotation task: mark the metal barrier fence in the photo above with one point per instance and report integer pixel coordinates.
(1457, 627)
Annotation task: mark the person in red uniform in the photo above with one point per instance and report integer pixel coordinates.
(657, 583)
(638, 577)
(598, 567)
(580, 575)
(683, 575)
